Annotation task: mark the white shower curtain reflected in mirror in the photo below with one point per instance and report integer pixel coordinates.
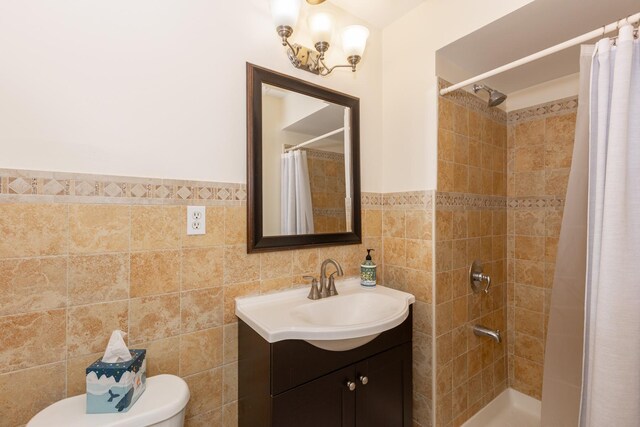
(295, 195)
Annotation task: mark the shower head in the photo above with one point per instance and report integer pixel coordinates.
(495, 97)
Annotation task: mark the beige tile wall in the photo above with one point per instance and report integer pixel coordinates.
(528, 161)
(70, 273)
(407, 229)
(539, 150)
(470, 223)
(328, 191)
(472, 148)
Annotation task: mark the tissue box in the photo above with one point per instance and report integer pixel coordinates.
(115, 387)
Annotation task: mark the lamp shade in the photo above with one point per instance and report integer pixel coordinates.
(354, 40)
(285, 12)
(321, 27)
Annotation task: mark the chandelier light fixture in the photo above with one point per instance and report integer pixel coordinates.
(354, 37)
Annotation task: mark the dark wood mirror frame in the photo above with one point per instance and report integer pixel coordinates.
(256, 241)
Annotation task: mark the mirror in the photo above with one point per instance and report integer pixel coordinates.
(303, 164)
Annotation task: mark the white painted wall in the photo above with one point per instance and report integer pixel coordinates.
(272, 112)
(152, 87)
(409, 84)
(552, 90)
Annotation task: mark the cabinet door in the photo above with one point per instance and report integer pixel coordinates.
(385, 400)
(324, 402)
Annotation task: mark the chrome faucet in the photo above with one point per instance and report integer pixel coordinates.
(329, 289)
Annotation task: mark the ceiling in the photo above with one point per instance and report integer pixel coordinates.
(534, 27)
(324, 120)
(320, 119)
(327, 119)
(380, 13)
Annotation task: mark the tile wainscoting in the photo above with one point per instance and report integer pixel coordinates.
(81, 255)
(407, 236)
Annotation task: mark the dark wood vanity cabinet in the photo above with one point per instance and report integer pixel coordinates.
(292, 383)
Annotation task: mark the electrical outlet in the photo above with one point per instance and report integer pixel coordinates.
(196, 220)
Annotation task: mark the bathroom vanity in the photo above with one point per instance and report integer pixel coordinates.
(293, 383)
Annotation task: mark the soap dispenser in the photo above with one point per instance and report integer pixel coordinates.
(368, 271)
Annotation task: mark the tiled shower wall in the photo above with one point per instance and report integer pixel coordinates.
(83, 255)
(407, 230)
(470, 223)
(540, 146)
(328, 192)
(501, 188)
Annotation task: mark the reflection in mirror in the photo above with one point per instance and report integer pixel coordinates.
(306, 160)
(303, 164)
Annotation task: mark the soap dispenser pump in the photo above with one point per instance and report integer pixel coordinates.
(368, 271)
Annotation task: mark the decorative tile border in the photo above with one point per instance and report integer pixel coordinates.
(326, 155)
(473, 102)
(408, 200)
(536, 202)
(23, 185)
(340, 213)
(36, 186)
(549, 109)
(460, 201)
(19, 186)
(371, 200)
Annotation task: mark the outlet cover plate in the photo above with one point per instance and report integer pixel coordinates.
(196, 220)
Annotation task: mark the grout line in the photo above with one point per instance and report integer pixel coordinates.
(66, 310)
(129, 290)
(57, 362)
(181, 289)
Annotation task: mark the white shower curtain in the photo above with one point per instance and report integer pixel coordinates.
(562, 383)
(611, 376)
(295, 195)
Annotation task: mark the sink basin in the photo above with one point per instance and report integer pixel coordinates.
(338, 323)
(348, 310)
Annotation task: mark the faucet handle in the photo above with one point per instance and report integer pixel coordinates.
(314, 292)
(332, 285)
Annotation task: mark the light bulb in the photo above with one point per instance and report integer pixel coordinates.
(354, 40)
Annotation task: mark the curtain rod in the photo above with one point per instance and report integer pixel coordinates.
(546, 52)
(326, 135)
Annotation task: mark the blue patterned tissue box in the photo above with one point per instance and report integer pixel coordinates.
(115, 387)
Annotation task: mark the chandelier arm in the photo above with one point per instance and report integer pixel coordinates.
(285, 42)
(328, 70)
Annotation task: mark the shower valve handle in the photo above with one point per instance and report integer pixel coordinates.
(476, 277)
(479, 277)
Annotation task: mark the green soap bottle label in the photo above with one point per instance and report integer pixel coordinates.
(368, 275)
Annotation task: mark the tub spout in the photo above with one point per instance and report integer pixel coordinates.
(483, 331)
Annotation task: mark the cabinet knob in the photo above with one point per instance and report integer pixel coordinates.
(364, 380)
(351, 385)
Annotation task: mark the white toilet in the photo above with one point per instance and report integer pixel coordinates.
(162, 404)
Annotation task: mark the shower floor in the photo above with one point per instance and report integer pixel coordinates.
(510, 409)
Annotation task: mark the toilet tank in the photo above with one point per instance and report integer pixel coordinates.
(161, 405)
